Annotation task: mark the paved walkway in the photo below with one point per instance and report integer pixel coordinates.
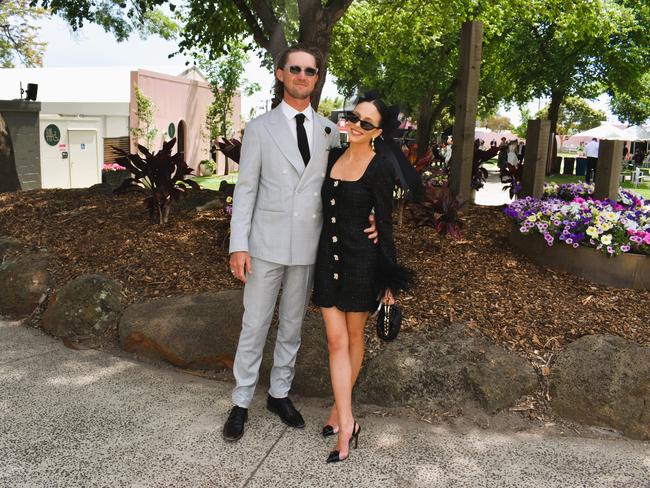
(85, 418)
(492, 192)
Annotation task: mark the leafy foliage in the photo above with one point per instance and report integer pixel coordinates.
(225, 75)
(122, 18)
(19, 35)
(409, 52)
(633, 105)
(581, 48)
(145, 110)
(161, 174)
(231, 148)
(512, 175)
(440, 210)
(497, 123)
(575, 115)
(327, 105)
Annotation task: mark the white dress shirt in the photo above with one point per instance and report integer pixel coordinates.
(290, 113)
(591, 149)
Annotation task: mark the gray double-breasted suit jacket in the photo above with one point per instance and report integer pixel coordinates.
(277, 214)
(277, 218)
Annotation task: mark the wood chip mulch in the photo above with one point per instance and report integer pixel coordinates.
(478, 279)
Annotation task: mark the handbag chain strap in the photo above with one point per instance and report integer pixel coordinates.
(386, 319)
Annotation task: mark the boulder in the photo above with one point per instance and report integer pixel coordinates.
(23, 282)
(87, 307)
(8, 245)
(500, 379)
(604, 380)
(312, 377)
(445, 373)
(191, 331)
(202, 331)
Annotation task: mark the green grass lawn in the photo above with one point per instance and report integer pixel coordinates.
(213, 182)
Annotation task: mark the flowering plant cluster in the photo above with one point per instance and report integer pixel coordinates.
(569, 191)
(610, 227)
(112, 167)
(435, 176)
(229, 206)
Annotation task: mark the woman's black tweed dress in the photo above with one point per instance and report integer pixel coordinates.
(352, 271)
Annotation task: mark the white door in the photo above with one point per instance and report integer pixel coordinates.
(84, 167)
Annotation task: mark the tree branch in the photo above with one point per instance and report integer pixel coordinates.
(261, 37)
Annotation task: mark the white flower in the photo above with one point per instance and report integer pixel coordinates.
(606, 239)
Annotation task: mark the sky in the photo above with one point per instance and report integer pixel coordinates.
(92, 47)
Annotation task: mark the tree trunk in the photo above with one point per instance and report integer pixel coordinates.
(553, 114)
(425, 122)
(429, 114)
(316, 24)
(8, 174)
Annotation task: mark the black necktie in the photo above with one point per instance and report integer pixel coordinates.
(303, 143)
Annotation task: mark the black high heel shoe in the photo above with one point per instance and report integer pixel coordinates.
(335, 457)
(329, 431)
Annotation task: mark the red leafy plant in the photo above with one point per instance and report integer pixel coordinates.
(511, 175)
(440, 209)
(231, 148)
(161, 175)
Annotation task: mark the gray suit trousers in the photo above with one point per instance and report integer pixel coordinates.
(260, 296)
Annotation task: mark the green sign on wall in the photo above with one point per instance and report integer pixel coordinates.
(171, 130)
(52, 135)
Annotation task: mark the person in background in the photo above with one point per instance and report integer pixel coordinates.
(513, 147)
(638, 157)
(591, 150)
(503, 154)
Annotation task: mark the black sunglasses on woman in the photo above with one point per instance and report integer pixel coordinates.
(364, 124)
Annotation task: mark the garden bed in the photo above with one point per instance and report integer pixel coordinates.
(623, 271)
(479, 279)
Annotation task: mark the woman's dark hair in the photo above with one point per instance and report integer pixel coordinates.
(389, 114)
(281, 61)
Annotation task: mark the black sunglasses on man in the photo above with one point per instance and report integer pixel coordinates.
(309, 71)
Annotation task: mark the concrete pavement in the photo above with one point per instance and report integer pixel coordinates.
(86, 418)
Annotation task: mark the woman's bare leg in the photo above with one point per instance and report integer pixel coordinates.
(356, 322)
(340, 373)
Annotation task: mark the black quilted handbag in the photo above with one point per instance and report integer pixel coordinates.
(389, 321)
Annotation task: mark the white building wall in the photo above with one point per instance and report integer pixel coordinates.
(55, 167)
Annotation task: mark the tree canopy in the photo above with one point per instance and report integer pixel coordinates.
(18, 35)
(575, 115)
(214, 25)
(409, 53)
(581, 48)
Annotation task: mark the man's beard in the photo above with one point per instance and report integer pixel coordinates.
(297, 95)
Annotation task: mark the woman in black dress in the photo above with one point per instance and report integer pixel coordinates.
(352, 273)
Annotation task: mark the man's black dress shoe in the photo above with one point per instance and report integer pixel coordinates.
(286, 411)
(233, 429)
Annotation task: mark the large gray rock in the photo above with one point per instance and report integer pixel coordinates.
(604, 380)
(500, 379)
(446, 373)
(202, 331)
(87, 307)
(23, 282)
(191, 331)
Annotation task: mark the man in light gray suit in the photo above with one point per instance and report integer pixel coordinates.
(275, 227)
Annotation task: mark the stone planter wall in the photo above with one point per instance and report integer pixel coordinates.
(115, 178)
(623, 271)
